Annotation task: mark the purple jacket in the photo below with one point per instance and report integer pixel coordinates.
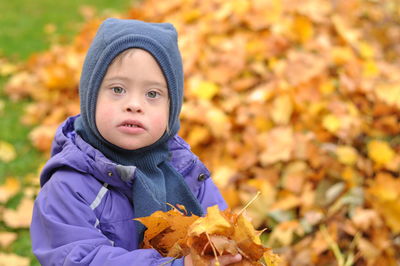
(83, 213)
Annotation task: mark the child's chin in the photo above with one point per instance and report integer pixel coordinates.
(131, 147)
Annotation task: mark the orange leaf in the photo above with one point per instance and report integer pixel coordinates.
(167, 231)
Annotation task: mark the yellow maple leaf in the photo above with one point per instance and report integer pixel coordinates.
(331, 123)
(223, 175)
(203, 89)
(7, 152)
(370, 68)
(366, 50)
(7, 68)
(302, 28)
(347, 155)
(351, 176)
(218, 121)
(384, 193)
(282, 109)
(246, 231)
(327, 87)
(349, 34)
(272, 259)
(342, 54)
(389, 93)
(197, 135)
(380, 152)
(213, 223)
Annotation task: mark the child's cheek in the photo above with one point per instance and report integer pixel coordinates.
(104, 114)
(160, 122)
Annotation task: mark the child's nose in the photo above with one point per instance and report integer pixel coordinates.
(134, 109)
(134, 106)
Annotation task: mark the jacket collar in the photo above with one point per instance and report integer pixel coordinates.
(71, 151)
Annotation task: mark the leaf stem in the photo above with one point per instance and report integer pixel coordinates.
(213, 249)
(249, 203)
(333, 245)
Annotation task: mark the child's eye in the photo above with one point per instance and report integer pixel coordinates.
(118, 90)
(152, 94)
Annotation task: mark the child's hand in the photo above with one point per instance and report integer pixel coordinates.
(223, 260)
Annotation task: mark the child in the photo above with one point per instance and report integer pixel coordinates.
(120, 158)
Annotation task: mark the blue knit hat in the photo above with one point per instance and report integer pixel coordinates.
(113, 37)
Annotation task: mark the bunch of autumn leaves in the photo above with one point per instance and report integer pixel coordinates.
(174, 234)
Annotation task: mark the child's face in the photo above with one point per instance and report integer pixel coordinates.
(133, 105)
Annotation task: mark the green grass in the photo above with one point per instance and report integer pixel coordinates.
(28, 159)
(23, 22)
(22, 33)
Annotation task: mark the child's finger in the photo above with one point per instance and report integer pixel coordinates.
(227, 259)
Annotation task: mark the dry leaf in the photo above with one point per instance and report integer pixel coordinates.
(213, 223)
(218, 233)
(385, 197)
(7, 68)
(7, 152)
(13, 259)
(9, 189)
(204, 90)
(6, 238)
(165, 230)
(282, 109)
(389, 93)
(42, 137)
(347, 155)
(279, 147)
(21, 217)
(380, 152)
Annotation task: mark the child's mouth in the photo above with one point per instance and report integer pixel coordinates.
(130, 125)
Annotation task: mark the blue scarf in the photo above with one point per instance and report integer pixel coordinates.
(156, 182)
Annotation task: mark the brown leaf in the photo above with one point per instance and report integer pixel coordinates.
(21, 217)
(6, 238)
(167, 231)
(224, 245)
(13, 259)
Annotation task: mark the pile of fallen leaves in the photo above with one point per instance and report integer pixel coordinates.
(297, 99)
(174, 234)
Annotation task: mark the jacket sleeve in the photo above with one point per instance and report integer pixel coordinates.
(63, 233)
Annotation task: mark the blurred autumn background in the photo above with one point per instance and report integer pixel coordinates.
(297, 99)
